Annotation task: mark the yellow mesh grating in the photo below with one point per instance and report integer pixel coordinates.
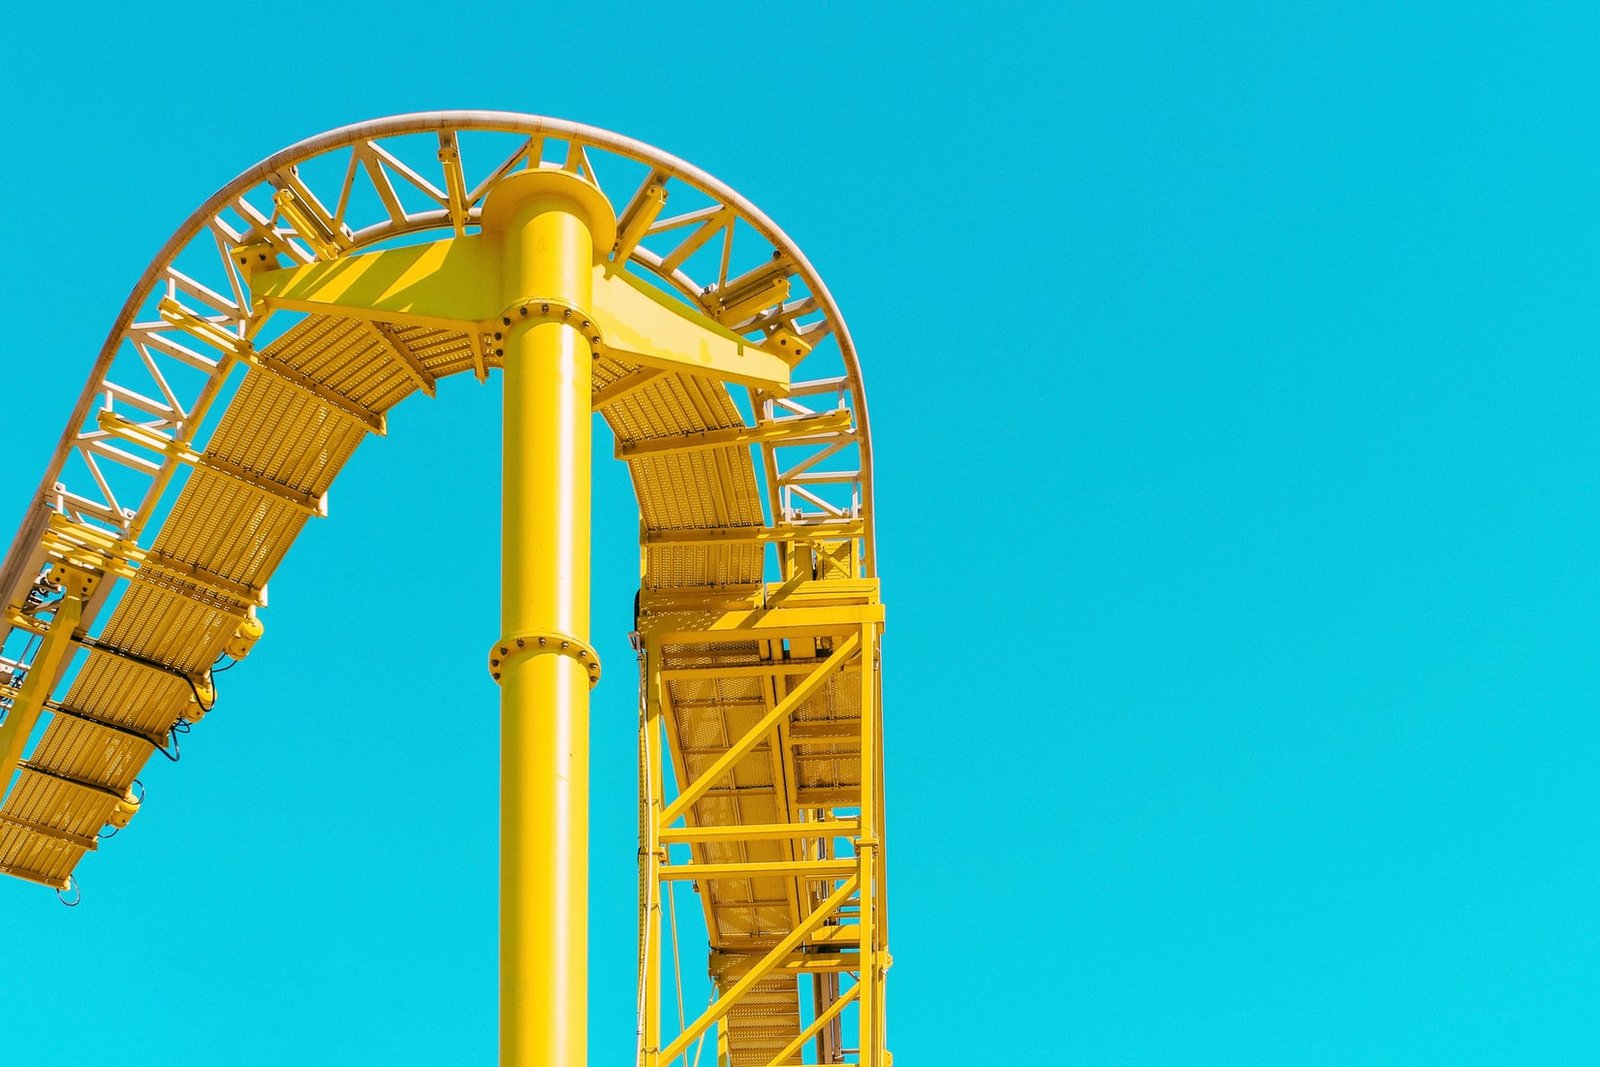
(763, 1022)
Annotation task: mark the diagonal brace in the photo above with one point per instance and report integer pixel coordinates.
(768, 964)
(780, 712)
(816, 1026)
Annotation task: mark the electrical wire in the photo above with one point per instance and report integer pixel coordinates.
(172, 735)
(196, 689)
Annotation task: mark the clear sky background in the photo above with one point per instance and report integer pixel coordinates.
(1234, 391)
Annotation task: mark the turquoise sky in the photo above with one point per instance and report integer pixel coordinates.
(1234, 392)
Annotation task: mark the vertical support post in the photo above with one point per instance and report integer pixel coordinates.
(869, 850)
(54, 652)
(549, 225)
(651, 931)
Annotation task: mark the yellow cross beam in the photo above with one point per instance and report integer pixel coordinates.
(453, 284)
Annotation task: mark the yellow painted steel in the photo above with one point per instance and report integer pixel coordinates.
(54, 651)
(759, 620)
(451, 285)
(782, 810)
(546, 225)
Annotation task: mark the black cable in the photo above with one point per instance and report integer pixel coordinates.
(203, 705)
(177, 750)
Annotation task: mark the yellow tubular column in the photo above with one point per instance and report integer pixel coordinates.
(655, 854)
(55, 650)
(867, 846)
(551, 224)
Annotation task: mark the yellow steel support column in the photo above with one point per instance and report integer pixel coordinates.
(652, 738)
(76, 588)
(867, 852)
(549, 225)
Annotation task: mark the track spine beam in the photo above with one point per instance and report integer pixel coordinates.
(403, 357)
(754, 535)
(150, 438)
(628, 384)
(795, 430)
(94, 787)
(88, 844)
(331, 398)
(78, 715)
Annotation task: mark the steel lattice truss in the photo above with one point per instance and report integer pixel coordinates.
(213, 424)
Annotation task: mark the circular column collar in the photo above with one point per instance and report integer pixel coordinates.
(553, 183)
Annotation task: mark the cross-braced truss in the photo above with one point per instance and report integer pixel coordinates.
(768, 706)
(213, 425)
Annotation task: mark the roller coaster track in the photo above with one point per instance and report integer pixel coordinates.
(219, 412)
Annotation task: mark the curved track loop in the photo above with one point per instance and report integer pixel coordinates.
(210, 431)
